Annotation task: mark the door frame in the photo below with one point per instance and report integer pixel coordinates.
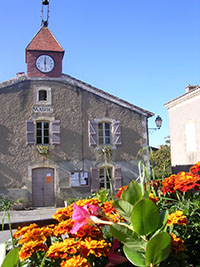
(56, 181)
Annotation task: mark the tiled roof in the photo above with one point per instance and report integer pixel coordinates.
(85, 86)
(44, 40)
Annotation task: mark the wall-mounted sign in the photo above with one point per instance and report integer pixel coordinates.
(79, 179)
(42, 109)
(48, 178)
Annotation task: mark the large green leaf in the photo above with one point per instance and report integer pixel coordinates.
(133, 193)
(12, 258)
(136, 258)
(158, 248)
(128, 237)
(163, 218)
(145, 217)
(124, 208)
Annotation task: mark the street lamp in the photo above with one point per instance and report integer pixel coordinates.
(158, 122)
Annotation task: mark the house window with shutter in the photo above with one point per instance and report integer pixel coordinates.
(100, 178)
(42, 133)
(104, 132)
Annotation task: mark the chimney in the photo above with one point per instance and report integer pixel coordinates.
(19, 74)
(190, 88)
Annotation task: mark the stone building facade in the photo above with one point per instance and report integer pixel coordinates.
(53, 128)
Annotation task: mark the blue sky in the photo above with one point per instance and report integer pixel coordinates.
(144, 51)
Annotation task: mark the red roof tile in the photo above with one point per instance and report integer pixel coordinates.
(44, 40)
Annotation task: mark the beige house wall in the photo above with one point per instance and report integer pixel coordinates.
(185, 129)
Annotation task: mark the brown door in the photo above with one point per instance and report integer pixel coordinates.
(43, 187)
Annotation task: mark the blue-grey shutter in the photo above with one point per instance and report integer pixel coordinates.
(117, 178)
(92, 133)
(55, 132)
(117, 140)
(94, 179)
(30, 132)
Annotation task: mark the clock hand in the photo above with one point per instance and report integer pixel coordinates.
(45, 63)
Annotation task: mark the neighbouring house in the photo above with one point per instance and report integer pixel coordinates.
(185, 129)
(53, 128)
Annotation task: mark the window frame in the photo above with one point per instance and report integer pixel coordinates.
(105, 178)
(42, 132)
(48, 101)
(104, 136)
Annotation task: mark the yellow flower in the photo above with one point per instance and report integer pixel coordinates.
(75, 261)
(95, 247)
(177, 218)
(177, 244)
(63, 249)
(29, 248)
(24, 229)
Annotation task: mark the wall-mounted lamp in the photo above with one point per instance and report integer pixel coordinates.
(158, 122)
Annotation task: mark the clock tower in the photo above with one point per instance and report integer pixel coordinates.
(44, 54)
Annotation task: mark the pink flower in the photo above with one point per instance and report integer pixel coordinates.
(85, 215)
(115, 258)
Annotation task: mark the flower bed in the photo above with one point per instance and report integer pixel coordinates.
(151, 223)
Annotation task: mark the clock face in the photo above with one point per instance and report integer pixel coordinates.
(45, 63)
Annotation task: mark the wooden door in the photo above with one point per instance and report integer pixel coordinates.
(43, 187)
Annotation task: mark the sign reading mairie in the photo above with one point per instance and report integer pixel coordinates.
(42, 109)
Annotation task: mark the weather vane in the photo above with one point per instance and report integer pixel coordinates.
(45, 5)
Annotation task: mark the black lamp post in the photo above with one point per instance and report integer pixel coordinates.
(158, 122)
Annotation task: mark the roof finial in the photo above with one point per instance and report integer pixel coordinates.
(45, 22)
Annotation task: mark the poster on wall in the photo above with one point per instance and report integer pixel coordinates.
(75, 179)
(79, 179)
(48, 178)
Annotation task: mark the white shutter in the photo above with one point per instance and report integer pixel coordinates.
(117, 133)
(55, 132)
(30, 132)
(92, 125)
(94, 179)
(117, 178)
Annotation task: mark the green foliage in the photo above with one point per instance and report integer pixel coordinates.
(12, 258)
(162, 162)
(146, 243)
(145, 217)
(5, 204)
(102, 195)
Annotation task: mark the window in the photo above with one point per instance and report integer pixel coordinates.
(42, 133)
(104, 133)
(42, 95)
(104, 176)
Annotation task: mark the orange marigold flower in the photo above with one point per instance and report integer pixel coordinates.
(186, 181)
(168, 184)
(177, 218)
(177, 244)
(63, 227)
(95, 247)
(121, 190)
(154, 199)
(89, 231)
(63, 249)
(63, 213)
(24, 229)
(29, 248)
(195, 169)
(110, 211)
(75, 261)
(36, 234)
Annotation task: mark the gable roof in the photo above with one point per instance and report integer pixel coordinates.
(191, 92)
(44, 40)
(84, 86)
